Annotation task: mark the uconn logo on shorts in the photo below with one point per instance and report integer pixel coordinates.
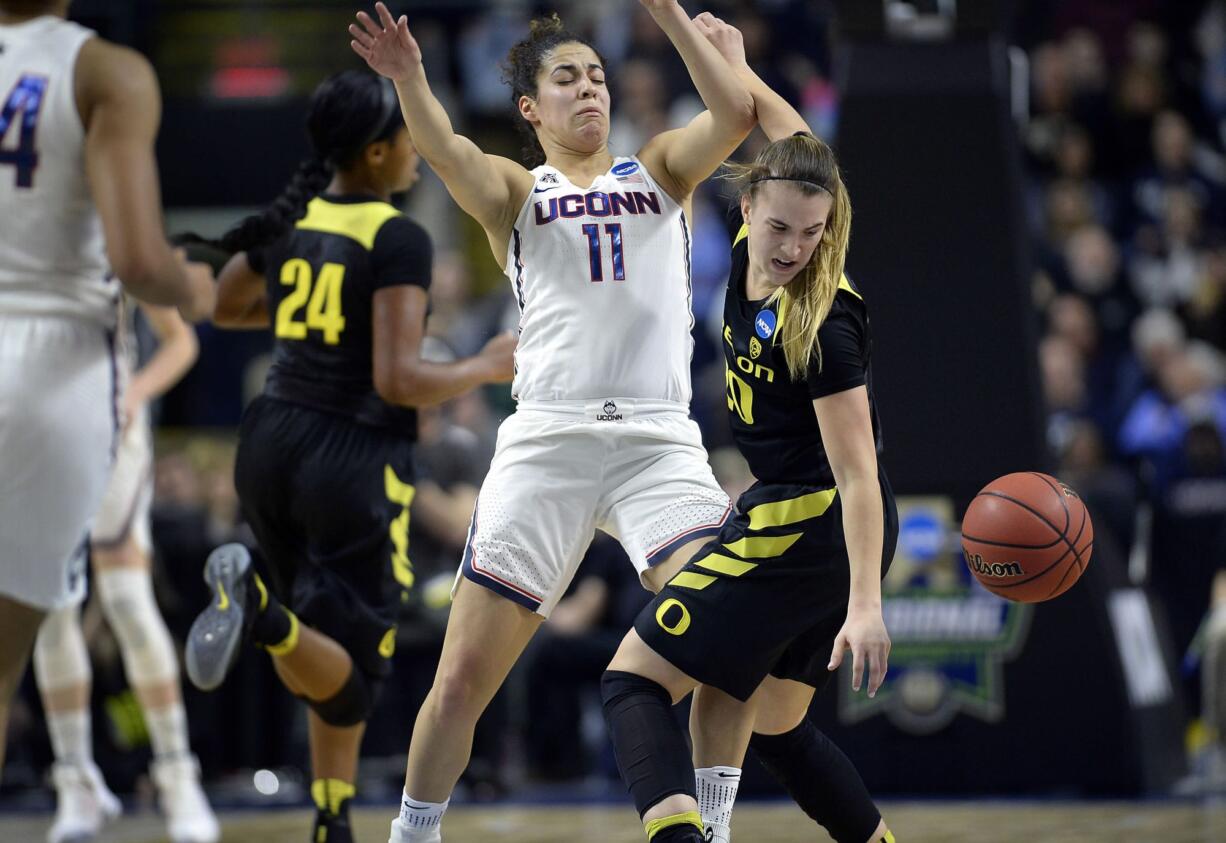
(610, 412)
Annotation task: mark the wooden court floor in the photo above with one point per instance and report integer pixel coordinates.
(913, 822)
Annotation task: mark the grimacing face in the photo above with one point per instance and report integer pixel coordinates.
(571, 106)
(785, 228)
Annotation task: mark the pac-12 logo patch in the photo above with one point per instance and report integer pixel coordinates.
(755, 348)
(764, 324)
(626, 168)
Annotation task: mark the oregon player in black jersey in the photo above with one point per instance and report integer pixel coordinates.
(762, 614)
(324, 464)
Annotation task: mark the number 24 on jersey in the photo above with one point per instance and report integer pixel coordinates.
(322, 297)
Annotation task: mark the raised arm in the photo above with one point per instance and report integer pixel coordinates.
(776, 116)
(683, 158)
(117, 96)
(489, 188)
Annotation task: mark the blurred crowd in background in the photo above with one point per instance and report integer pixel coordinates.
(1126, 206)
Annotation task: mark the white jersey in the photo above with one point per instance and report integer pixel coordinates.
(602, 276)
(52, 254)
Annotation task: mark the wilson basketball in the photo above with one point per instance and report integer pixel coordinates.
(1027, 537)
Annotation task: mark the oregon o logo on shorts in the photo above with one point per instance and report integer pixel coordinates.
(682, 624)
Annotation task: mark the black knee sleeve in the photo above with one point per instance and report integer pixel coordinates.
(821, 779)
(652, 754)
(352, 704)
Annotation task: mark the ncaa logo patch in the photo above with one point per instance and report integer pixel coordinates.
(755, 348)
(764, 324)
(626, 168)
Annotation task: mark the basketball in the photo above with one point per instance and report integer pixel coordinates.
(1027, 537)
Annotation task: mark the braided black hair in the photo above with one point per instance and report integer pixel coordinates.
(522, 66)
(349, 111)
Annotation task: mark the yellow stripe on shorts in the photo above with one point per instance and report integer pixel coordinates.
(763, 547)
(725, 564)
(779, 513)
(689, 579)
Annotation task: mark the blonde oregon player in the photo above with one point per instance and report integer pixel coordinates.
(763, 613)
(324, 468)
(597, 249)
(120, 545)
(82, 221)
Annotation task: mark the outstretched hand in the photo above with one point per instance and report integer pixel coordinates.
(387, 45)
(725, 37)
(865, 635)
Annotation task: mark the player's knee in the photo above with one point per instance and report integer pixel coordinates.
(60, 657)
(352, 704)
(459, 691)
(127, 601)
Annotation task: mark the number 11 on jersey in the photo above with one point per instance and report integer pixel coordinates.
(596, 254)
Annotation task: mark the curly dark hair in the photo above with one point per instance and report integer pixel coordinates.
(523, 64)
(348, 112)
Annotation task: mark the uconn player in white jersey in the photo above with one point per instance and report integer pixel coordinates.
(81, 208)
(598, 250)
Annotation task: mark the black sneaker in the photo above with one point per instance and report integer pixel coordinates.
(213, 642)
(331, 828)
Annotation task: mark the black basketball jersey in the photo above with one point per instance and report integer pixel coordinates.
(322, 278)
(773, 422)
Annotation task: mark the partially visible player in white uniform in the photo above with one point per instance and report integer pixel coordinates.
(82, 216)
(120, 547)
(597, 248)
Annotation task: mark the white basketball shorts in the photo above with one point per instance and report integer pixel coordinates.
(635, 469)
(58, 419)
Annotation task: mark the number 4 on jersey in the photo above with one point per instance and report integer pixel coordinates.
(21, 108)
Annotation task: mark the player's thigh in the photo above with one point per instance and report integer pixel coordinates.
(120, 528)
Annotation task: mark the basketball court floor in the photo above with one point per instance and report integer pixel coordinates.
(913, 822)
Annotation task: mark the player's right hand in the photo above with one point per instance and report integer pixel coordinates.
(387, 45)
(725, 37)
(499, 355)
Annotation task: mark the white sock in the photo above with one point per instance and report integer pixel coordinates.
(716, 788)
(168, 730)
(418, 820)
(71, 735)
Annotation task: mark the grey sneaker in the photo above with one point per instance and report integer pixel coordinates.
(212, 643)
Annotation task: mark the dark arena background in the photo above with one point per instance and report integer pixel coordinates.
(1040, 231)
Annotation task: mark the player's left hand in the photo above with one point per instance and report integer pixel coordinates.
(725, 37)
(865, 635)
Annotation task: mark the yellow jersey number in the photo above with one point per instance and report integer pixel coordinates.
(740, 396)
(321, 296)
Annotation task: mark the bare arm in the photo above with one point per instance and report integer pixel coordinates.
(176, 353)
(489, 188)
(776, 116)
(117, 96)
(847, 434)
(242, 297)
(682, 158)
(402, 377)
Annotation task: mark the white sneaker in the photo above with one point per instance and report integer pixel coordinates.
(189, 819)
(83, 802)
(402, 834)
(718, 833)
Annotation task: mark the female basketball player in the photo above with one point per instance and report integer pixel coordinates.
(597, 249)
(796, 573)
(324, 465)
(120, 547)
(81, 209)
